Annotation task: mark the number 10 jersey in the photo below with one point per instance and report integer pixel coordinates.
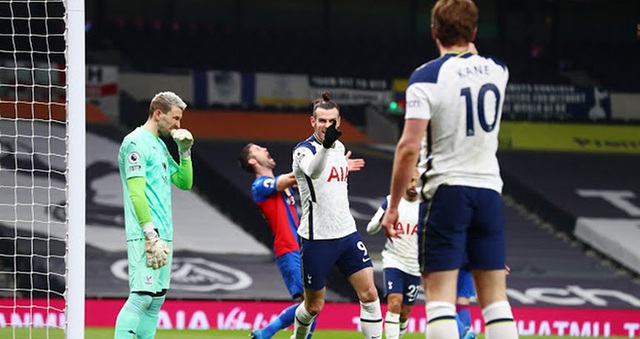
(461, 94)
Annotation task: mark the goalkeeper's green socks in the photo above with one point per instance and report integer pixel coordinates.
(130, 315)
(149, 321)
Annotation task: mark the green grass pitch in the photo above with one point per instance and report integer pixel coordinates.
(107, 333)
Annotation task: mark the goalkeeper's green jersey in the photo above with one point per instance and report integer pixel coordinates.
(143, 154)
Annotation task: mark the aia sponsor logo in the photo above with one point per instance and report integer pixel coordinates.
(406, 229)
(338, 174)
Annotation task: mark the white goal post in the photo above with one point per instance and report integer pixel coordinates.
(77, 169)
(42, 168)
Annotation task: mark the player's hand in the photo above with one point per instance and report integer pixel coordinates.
(184, 140)
(157, 250)
(354, 165)
(330, 136)
(389, 219)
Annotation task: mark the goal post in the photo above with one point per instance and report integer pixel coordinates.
(42, 168)
(76, 146)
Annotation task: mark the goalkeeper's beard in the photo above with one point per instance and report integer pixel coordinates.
(164, 133)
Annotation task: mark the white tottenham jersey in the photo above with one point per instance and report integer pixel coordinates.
(461, 95)
(325, 202)
(400, 253)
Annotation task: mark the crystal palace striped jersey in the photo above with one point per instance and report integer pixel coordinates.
(279, 208)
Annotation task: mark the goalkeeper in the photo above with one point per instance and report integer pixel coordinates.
(147, 171)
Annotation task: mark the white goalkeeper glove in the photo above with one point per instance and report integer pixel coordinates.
(157, 250)
(184, 140)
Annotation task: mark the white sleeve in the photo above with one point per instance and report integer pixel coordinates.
(374, 225)
(418, 102)
(311, 164)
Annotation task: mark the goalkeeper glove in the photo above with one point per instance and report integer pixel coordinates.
(330, 136)
(157, 250)
(184, 140)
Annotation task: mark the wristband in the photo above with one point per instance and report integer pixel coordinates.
(149, 231)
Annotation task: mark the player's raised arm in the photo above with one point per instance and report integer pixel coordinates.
(184, 140)
(183, 177)
(314, 164)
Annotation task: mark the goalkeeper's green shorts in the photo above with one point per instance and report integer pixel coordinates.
(143, 278)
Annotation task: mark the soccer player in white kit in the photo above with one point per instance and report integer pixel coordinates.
(402, 271)
(454, 106)
(400, 261)
(327, 229)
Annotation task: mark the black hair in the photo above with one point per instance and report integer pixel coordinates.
(243, 159)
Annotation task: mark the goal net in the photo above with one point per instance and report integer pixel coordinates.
(42, 168)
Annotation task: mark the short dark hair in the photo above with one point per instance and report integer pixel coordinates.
(324, 102)
(454, 21)
(245, 155)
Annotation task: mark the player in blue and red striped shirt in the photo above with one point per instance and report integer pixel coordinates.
(274, 196)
